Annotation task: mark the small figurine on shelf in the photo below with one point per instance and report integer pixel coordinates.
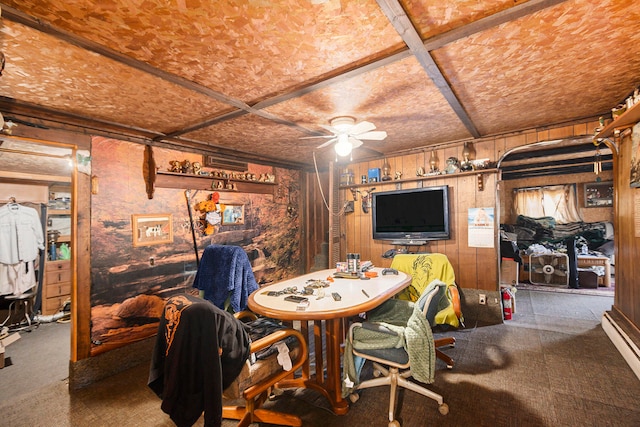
(175, 166)
(197, 168)
(186, 166)
(452, 165)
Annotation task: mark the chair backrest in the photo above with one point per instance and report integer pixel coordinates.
(225, 277)
(423, 269)
(430, 301)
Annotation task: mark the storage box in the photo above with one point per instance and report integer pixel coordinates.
(509, 271)
(587, 278)
(5, 342)
(374, 175)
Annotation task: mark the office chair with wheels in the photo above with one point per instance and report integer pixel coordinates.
(397, 338)
(424, 269)
(203, 354)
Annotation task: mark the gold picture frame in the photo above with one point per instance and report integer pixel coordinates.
(151, 229)
(233, 215)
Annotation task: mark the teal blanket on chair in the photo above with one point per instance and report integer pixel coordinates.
(413, 333)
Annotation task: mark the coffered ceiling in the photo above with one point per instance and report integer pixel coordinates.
(249, 79)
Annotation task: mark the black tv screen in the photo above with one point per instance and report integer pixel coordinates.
(411, 217)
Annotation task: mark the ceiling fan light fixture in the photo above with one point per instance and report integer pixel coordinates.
(343, 147)
(343, 123)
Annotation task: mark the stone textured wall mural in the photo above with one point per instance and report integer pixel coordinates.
(129, 284)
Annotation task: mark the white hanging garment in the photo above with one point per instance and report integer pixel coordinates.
(21, 235)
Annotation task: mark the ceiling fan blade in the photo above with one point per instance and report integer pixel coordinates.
(329, 142)
(377, 135)
(361, 127)
(317, 136)
(330, 129)
(355, 142)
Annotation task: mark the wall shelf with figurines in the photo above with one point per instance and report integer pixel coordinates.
(213, 182)
(186, 175)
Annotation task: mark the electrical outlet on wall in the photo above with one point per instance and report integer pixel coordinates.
(482, 299)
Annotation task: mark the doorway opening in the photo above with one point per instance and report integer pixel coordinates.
(543, 239)
(39, 175)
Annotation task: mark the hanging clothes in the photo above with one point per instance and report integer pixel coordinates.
(21, 239)
(16, 279)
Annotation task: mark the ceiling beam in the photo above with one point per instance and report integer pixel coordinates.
(24, 19)
(243, 108)
(555, 151)
(49, 118)
(403, 25)
(507, 15)
(557, 163)
(430, 44)
(509, 176)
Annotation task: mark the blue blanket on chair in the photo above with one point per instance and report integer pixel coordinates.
(225, 272)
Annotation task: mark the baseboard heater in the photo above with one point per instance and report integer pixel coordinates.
(623, 342)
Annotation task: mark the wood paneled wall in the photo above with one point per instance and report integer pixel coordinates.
(627, 236)
(464, 193)
(474, 267)
(316, 220)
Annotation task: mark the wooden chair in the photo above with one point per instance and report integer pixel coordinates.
(203, 355)
(258, 379)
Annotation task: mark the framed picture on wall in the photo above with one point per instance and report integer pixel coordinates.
(233, 215)
(598, 194)
(151, 229)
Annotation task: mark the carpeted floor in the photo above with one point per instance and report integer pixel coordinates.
(599, 291)
(552, 365)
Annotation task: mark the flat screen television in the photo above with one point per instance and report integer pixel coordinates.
(411, 217)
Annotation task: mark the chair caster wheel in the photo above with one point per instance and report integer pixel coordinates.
(353, 397)
(444, 409)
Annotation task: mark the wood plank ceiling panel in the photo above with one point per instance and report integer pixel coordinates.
(47, 71)
(252, 135)
(538, 70)
(265, 47)
(381, 96)
(433, 18)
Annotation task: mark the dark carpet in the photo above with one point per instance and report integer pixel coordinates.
(552, 365)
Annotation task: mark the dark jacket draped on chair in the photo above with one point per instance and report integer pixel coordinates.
(187, 369)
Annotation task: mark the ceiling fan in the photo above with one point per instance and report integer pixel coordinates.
(348, 135)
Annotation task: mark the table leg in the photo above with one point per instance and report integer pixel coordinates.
(329, 381)
(334, 373)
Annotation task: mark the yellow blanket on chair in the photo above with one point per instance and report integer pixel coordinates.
(424, 269)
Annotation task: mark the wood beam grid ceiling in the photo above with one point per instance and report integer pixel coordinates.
(253, 80)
